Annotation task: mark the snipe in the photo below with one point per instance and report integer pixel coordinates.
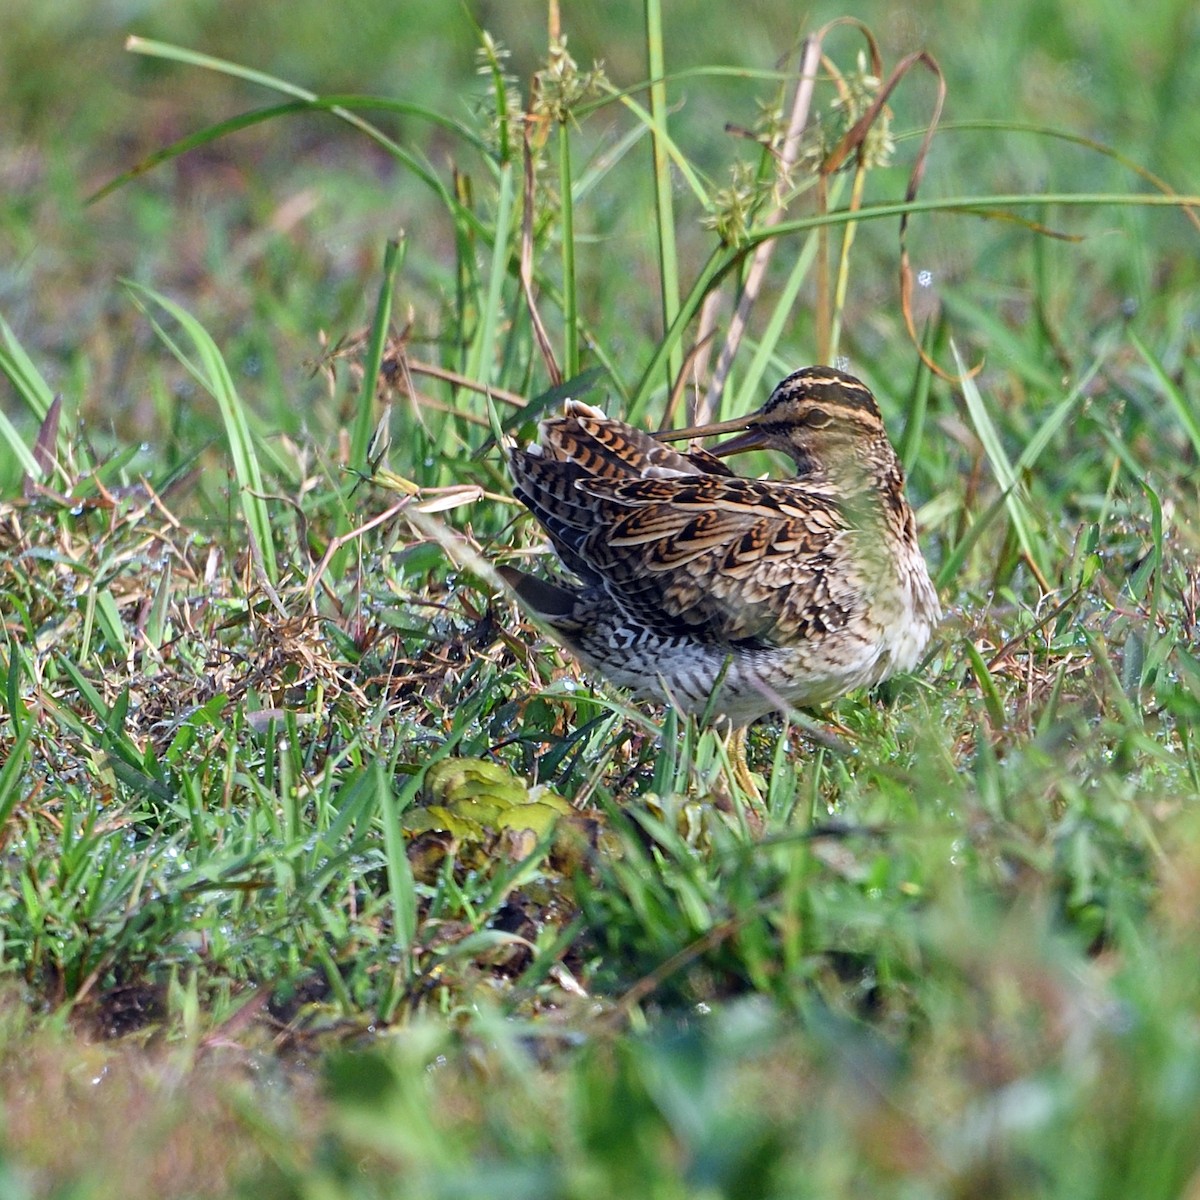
(773, 593)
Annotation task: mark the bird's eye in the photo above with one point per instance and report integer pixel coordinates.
(816, 418)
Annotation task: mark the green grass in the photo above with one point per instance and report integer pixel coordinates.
(323, 874)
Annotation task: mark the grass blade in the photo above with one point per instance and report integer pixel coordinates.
(1002, 468)
(482, 360)
(22, 374)
(570, 299)
(401, 887)
(17, 448)
(918, 404)
(668, 260)
(212, 373)
(782, 314)
(992, 701)
(364, 419)
(13, 782)
(1184, 409)
(28, 383)
(339, 109)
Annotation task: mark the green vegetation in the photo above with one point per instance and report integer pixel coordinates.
(321, 873)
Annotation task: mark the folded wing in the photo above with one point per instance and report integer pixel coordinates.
(676, 541)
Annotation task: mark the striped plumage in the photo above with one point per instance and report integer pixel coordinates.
(798, 590)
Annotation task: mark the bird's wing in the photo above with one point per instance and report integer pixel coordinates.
(734, 558)
(605, 448)
(718, 556)
(583, 446)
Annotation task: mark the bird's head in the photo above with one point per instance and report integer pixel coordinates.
(820, 417)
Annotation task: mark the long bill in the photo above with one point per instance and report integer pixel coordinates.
(750, 439)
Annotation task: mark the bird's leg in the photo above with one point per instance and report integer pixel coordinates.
(735, 747)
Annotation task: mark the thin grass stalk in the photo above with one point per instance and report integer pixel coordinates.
(481, 361)
(992, 701)
(1131, 716)
(570, 299)
(599, 168)
(401, 885)
(466, 274)
(158, 623)
(155, 49)
(108, 616)
(1049, 716)
(333, 104)
(821, 317)
(1153, 567)
(843, 274)
(364, 417)
(914, 421)
(788, 155)
(676, 157)
(526, 265)
(283, 786)
(333, 975)
(721, 260)
(668, 261)
(953, 562)
(990, 208)
(784, 308)
(1078, 139)
(795, 919)
(14, 782)
(706, 328)
(16, 665)
(704, 336)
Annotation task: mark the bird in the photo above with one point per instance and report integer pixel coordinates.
(726, 596)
